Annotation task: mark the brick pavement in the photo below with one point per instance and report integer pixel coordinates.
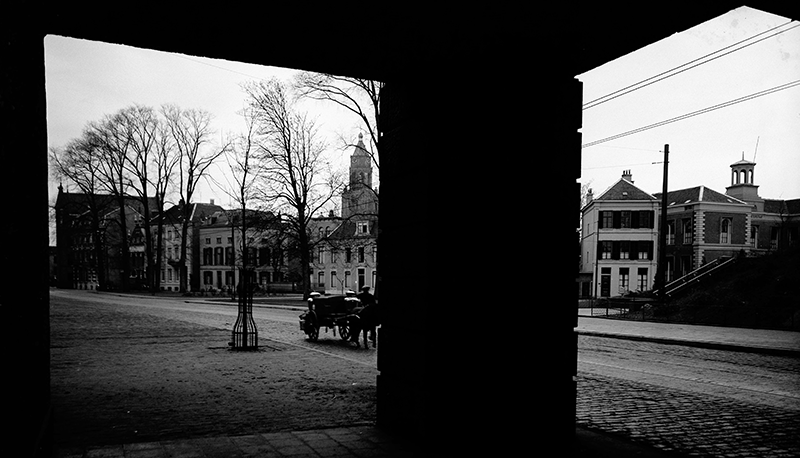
(685, 422)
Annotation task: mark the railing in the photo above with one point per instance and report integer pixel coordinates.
(694, 276)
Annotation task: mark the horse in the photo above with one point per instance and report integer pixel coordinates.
(364, 320)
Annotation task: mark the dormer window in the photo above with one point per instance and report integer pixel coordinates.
(362, 228)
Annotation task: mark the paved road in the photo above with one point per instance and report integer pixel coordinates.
(705, 402)
(127, 370)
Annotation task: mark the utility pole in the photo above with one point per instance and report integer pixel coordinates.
(662, 232)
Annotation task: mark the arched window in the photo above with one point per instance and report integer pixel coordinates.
(725, 230)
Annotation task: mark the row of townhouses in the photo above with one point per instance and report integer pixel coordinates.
(344, 247)
(620, 231)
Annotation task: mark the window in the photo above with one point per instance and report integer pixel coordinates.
(362, 228)
(687, 232)
(361, 254)
(644, 250)
(625, 219)
(362, 277)
(208, 256)
(334, 279)
(208, 278)
(230, 240)
(670, 232)
(725, 230)
(624, 250)
(646, 219)
(208, 240)
(642, 279)
(321, 255)
(321, 279)
(606, 220)
(348, 254)
(624, 284)
(374, 254)
(219, 240)
(229, 260)
(773, 238)
(347, 278)
(218, 256)
(754, 236)
(605, 250)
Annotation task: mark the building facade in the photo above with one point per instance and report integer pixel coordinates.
(620, 255)
(222, 245)
(618, 241)
(89, 241)
(171, 267)
(345, 256)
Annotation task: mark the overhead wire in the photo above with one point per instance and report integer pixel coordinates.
(697, 113)
(669, 73)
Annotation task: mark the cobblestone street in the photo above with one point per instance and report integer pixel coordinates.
(685, 422)
(119, 375)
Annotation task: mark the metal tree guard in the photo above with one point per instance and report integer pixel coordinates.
(245, 334)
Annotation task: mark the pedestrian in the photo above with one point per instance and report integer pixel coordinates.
(365, 297)
(368, 316)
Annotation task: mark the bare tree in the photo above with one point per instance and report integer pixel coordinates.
(246, 172)
(142, 125)
(165, 161)
(112, 137)
(191, 133)
(78, 163)
(296, 175)
(360, 96)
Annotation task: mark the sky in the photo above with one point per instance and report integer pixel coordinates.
(763, 129)
(86, 80)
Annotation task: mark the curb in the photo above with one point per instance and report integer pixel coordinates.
(791, 353)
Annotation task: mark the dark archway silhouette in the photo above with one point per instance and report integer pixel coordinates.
(469, 96)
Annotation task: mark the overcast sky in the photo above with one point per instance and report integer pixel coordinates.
(86, 80)
(702, 147)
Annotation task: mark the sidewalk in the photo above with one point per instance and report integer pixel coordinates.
(784, 343)
(369, 440)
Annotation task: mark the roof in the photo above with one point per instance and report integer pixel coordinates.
(198, 213)
(347, 229)
(785, 207)
(79, 202)
(698, 194)
(361, 150)
(624, 190)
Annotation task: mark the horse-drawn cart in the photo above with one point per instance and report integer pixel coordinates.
(330, 312)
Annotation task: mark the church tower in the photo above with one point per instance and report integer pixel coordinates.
(358, 197)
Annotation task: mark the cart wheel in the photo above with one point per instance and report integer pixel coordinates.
(344, 331)
(312, 329)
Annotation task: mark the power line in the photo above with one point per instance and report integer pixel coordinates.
(696, 113)
(668, 73)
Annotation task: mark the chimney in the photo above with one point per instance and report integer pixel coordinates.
(212, 201)
(589, 195)
(626, 174)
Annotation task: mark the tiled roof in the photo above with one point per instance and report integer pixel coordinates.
(624, 190)
(200, 211)
(786, 207)
(698, 194)
(347, 230)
